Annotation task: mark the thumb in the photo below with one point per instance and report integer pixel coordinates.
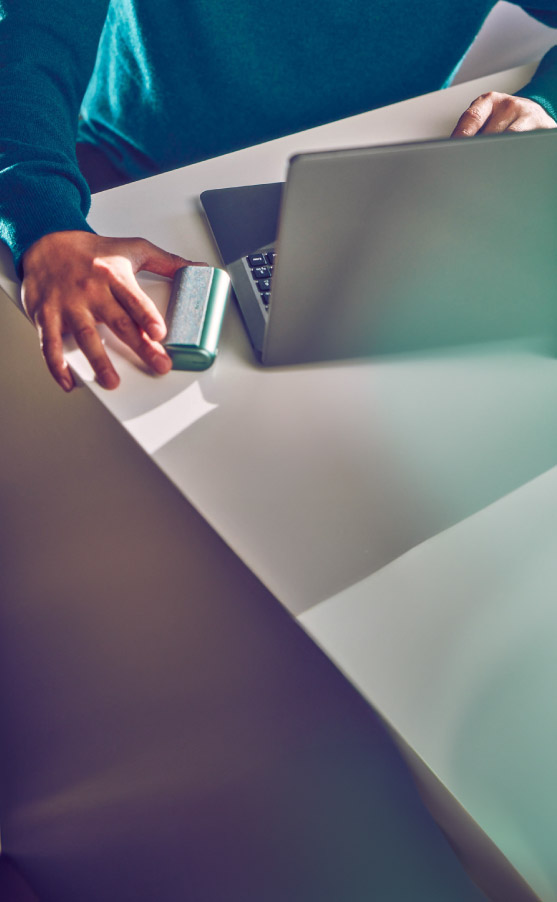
(154, 259)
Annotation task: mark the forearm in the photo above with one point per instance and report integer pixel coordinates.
(47, 53)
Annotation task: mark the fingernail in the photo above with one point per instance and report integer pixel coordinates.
(162, 364)
(108, 380)
(156, 331)
(66, 383)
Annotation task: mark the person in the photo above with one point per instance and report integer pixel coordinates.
(139, 87)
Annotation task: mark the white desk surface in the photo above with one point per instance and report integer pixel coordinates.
(318, 477)
(455, 643)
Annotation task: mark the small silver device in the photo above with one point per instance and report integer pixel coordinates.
(194, 316)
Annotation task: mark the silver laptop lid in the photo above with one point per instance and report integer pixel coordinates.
(411, 247)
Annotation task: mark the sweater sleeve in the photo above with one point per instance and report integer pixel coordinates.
(47, 54)
(543, 86)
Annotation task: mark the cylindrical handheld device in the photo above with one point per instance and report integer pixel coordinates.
(194, 316)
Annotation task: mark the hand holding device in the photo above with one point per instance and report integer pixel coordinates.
(74, 280)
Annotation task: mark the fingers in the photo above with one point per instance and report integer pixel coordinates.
(143, 255)
(139, 306)
(88, 339)
(50, 336)
(49, 326)
(473, 119)
(494, 113)
(131, 315)
(154, 259)
(152, 353)
(82, 324)
(502, 117)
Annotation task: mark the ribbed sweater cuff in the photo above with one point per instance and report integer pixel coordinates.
(543, 87)
(38, 207)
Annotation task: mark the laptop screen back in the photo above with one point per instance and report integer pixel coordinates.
(412, 247)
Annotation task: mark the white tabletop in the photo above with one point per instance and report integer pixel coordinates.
(320, 476)
(247, 446)
(455, 643)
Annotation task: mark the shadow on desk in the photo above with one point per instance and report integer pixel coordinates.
(13, 888)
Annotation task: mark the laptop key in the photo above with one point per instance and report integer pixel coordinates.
(264, 285)
(270, 257)
(261, 272)
(256, 260)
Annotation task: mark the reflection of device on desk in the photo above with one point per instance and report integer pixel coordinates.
(394, 248)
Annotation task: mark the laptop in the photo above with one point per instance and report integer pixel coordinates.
(391, 249)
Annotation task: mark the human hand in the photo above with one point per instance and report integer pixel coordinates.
(74, 280)
(493, 113)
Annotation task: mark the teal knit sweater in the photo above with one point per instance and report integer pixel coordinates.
(162, 83)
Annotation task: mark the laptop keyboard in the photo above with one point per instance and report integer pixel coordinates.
(260, 267)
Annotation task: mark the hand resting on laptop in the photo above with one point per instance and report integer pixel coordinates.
(494, 112)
